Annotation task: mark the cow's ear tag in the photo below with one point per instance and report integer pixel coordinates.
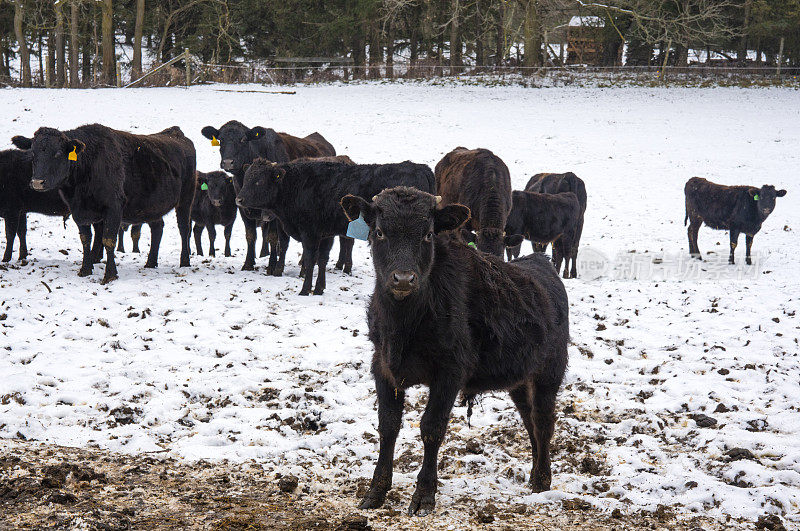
(472, 244)
(358, 229)
(204, 186)
(755, 197)
(73, 156)
(214, 141)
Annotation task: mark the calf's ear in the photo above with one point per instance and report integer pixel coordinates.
(22, 142)
(780, 193)
(210, 132)
(76, 145)
(355, 206)
(512, 240)
(468, 236)
(256, 132)
(246, 167)
(450, 217)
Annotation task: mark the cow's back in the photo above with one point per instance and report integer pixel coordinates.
(713, 203)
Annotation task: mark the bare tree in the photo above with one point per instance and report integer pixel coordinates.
(109, 62)
(19, 33)
(73, 43)
(136, 67)
(60, 71)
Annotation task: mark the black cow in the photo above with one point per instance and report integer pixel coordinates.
(733, 208)
(478, 179)
(240, 145)
(456, 320)
(546, 218)
(556, 183)
(305, 198)
(17, 198)
(113, 177)
(214, 204)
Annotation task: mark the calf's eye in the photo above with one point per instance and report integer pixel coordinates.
(429, 237)
(379, 234)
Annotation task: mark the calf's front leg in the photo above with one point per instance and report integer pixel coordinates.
(11, 232)
(749, 242)
(433, 427)
(88, 258)
(111, 226)
(734, 243)
(390, 417)
(22, 231)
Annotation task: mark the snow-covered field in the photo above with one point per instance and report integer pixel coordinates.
(212, 362)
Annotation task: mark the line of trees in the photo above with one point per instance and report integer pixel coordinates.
(88, 42)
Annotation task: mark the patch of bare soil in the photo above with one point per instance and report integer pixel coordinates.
(51, 487)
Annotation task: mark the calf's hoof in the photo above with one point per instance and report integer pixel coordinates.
(319, 291)
(84, 271)
(212, 253)
(151, 265)
(185, 262)
(6, 258)
(270, 270)
(421, 504)
(135, 249)
(348, 269)
(539, 482)
(373, 499)
(228, 253)
(108, 279)
(263, 254)
(305, 292)
(248, 267)
(277, 272)
(339, 265)
(748, 261)
(199, 252)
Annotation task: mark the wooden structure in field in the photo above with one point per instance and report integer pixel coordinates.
(585, 41)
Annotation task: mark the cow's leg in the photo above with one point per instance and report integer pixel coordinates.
(390, 417)
(523, 399)
(198, 238)
(97, 244)
(693, 231)
(749, 242)
(575, 244)
(250, 236)
(136, 233)
(734, 243)
(110, 230)
(544, 419)
(228, 231)
(22, 234)
(557, 254)
(156, 231)
(11, 232)
(265, 240)
(280, 247)
(270, 235)
(121, 239)
(345, 261)
(323, 255)
(212, 236)
(85, 232)
(310, 253)
(433, 426)
(183, 212)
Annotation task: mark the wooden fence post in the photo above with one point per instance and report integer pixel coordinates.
(780, 57)
(187, 60)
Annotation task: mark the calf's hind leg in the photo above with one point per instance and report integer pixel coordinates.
(734, 243)
(322, 262)
(212, 236)
(156, 231)
(22, 231)
(544, 419)
(11, 233)
(227, 232)
(523, 399)
(692, 231)
(749, 241)
(86, 242)
(198, 238)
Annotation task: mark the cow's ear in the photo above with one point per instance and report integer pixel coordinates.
(355, 206)
(22, 142)
(450, 217)
(280, 173)
(246, 167)
(210, 132)
(512, 240)
(256, 132)
(467, 235)
(753, 192)
(780, 193)
(76, 145)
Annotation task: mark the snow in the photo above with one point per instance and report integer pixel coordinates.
(210, 362)
(578, 21)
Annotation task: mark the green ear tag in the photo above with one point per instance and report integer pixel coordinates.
(472, 244)
(204, 186)
(755, 197)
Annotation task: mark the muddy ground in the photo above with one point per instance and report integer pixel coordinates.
(51, 487)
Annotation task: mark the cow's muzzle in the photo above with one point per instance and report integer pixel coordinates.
(226, 164)
(216, 202)
(402, 283)
(37, 184)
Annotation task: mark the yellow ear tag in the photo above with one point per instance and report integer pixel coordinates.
(73, 156)
(214, 141)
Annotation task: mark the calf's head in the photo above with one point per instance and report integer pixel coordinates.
(402, 223)
(765, 199)
(262, 182)
(494, 241)
(53, 156)
(217, 184)
(236, 144)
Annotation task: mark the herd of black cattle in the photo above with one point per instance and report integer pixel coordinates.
(447, 311)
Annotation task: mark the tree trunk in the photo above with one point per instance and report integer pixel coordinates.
(501, 33)
(390, 35)
(73, 44)
(24, 56)
(375, 50)
(480, 55)
(136, 67)
(51, 60)
(741, 54)
(109, 76)
(41, 59)
(455, 39)
(60, 73)
(359, 57)
(533, 35)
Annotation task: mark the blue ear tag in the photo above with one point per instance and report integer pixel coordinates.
(358, 228)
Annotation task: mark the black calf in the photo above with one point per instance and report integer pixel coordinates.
(456, 320)
(214, 204)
